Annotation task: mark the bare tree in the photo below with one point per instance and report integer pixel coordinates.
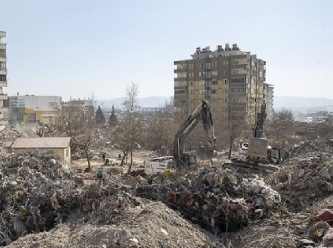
(130, 127)
(281, 130)
(87, 135)
(77, 121)
(161, 130)
(71, 117)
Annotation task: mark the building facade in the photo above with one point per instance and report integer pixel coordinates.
(233, 81)
(3, 80)
(30, 109)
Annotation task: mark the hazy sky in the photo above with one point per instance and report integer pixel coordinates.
(92, 47)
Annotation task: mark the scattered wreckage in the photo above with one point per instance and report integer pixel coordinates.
(44, 203)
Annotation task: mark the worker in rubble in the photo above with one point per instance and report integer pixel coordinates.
(103, 156)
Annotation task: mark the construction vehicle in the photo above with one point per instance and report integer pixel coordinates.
(180, 158)
(158, 164)
(203, 113)
(258, 150)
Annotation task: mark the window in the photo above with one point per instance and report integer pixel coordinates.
(32, 117)
(214, 64)
(21, 103)
(225, 62)
(202, 92)
(180, 84)
(200, 65)
(214, 73)
(214, 91)
(190, 92)
(191, 83)
(191, 74)
(225, 72)
(201, 82)
(190, 66)
(214, 82)
(180, 92)
(52, 104)
(237, 80)
(225, 81)
(200, 74)
(225, 91)
(2, 65)
(235, 62)
(2, 77)
(235, 71)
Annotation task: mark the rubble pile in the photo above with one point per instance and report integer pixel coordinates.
(44, 203)
(220, 200)
(39, 197)
(305, 176)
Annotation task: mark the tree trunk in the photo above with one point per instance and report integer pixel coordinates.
(122, 160)
(88, 158)
(230, 147)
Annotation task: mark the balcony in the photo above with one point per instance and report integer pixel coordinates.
(3, 83)
(3, 45)
(2, 34)
(3, 109)
(3, 97)
(3, 122)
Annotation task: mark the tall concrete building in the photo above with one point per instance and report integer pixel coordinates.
(233, 81)
(3, 80)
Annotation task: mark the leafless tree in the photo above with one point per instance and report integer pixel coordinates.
(130, 125)
(281, 130)
(71, 117)
(161, 130)
(78, 122)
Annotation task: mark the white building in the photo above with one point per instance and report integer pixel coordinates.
(3, 80)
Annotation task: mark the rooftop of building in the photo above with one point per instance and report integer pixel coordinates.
(42, 142)
(220, 51)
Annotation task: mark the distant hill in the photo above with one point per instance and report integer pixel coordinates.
(303, 104)
(145, 102)
(298, 104)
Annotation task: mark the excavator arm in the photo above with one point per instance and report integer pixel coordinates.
(258, 130)
(201, 113)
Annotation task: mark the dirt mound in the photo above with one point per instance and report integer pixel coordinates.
(151, 225)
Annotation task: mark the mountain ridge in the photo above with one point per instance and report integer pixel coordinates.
(293, 103)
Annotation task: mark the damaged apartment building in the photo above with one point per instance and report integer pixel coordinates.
(233, 81)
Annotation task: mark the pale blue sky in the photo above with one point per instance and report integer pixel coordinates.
(78, 48)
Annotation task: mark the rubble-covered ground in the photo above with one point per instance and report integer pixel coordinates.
(46, 204)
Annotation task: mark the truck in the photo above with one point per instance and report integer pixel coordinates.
(158, 164)
(181, 158)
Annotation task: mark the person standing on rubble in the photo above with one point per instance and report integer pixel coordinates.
(103, 156)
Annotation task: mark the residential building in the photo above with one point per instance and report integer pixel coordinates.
(59, 145)
(233, 81)
(87, 105)
(268, 97)
(30, 109)
(3, 80)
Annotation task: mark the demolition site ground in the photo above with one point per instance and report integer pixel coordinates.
(46, 204)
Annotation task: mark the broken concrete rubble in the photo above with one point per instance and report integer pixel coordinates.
(45, 204)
